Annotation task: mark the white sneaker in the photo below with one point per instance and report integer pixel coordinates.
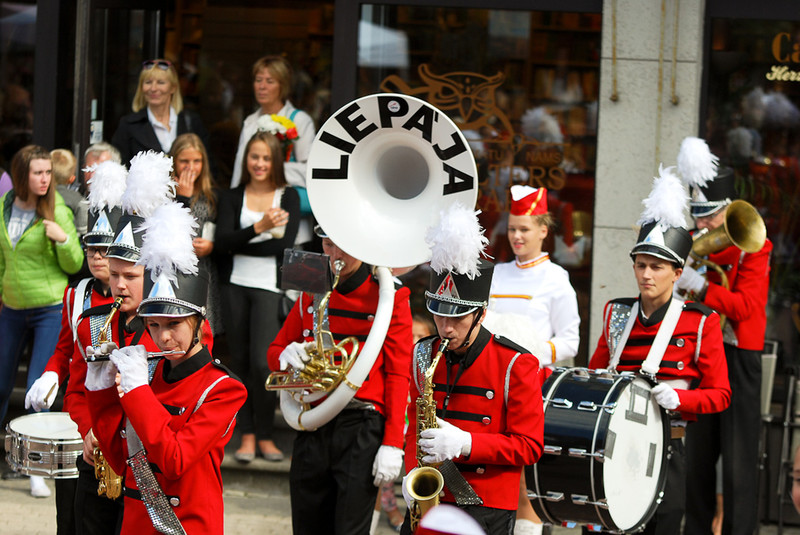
(527, 527)
(39, 488)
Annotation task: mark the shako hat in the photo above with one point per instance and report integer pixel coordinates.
(105, 198)
(663, 231)
(460, 279)
(176, 286)
(711, 186)
(526, 200)
(149, 186)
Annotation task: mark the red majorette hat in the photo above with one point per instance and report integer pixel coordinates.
(526, 200)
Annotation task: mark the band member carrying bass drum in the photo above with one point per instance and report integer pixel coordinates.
(488, 418)
(678, 344)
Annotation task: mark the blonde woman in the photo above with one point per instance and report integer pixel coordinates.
(158, 116)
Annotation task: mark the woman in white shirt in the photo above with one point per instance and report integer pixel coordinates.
(532, 295)
(256, 221)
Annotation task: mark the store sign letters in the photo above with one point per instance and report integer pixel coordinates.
(784, 51)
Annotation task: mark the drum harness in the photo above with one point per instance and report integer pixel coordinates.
(651, 364)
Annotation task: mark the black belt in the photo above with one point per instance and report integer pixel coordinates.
(136, 495)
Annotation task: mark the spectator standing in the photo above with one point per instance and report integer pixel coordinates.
(65, 167)
(158, 114)
(38, 248)
(257, 221)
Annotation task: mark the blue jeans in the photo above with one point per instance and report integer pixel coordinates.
(17, 327)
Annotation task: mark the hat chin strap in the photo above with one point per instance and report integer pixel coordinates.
(478, 313)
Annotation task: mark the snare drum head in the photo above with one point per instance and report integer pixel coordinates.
(635, 452)
(50, 425)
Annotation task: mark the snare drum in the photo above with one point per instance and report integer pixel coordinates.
(605, 451)
(44, 444)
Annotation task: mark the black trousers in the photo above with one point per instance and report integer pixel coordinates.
(65, 506)
(94, 515)
(492, 521)
(250, 317)
(331, 478)
(734, 434)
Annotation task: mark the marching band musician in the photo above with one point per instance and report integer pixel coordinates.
(486, 388)
(681, 343)
(537, 293)
(170, 424)
(93, 513)
(336, 469)
(734, 433)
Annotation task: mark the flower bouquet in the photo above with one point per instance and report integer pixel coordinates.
(282, 128)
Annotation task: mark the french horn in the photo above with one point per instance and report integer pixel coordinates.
(379, 173)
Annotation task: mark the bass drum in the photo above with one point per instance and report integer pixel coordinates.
(605, 451)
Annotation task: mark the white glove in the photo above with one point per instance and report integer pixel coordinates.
(666, 396)
(105, 349)
(446, 442)
(387, 464)
(406, 496)
(43, 392)
(691, 281)
(295, 356)
(131, 362)
(100, 375)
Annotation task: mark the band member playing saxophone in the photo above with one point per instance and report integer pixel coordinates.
(336, 470)
(734, 433)
(677, 344)
(486, 389)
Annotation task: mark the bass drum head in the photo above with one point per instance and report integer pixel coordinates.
(634, 469)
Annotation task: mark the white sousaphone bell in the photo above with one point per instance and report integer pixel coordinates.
(380, 172)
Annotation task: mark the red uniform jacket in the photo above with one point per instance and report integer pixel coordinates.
(184, 443)
(65, 347)
(496, 396)
(745, 303)
(351, 310)
(694, 353)
(75, 401)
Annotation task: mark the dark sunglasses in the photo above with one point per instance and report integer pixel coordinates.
(160, 63)
(93, 250)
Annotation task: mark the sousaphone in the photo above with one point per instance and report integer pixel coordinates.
(380, 172)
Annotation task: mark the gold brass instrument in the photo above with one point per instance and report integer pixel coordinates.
(322, 372)
(425, 482)
(743, 227)
(109, 482)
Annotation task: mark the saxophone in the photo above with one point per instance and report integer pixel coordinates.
(425, 482)
(109, 483)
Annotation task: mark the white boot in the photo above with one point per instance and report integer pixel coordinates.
(39, 488)
(527, 527)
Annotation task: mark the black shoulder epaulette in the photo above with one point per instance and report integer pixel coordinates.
(503, 341)
(427, 338)
(99, 310)
(699, 307)
(624, 301)
(218, 364)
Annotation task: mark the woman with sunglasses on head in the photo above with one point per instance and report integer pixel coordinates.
(158, 114)
(38, 248)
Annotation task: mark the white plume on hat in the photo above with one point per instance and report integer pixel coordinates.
(150, 183)
(696, 164)
(108, 183)
(667, 201)
(167, 242)
(457, 242)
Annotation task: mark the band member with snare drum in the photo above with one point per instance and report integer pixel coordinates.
(734, 433)
(488, 421)
(337, 469)
(677, 343)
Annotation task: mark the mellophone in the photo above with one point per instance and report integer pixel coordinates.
(605, 451)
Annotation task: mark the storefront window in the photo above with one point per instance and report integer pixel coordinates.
(18, 28)
(523, 87)
(753, 124)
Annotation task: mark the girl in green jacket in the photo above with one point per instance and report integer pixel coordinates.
(38, 248)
